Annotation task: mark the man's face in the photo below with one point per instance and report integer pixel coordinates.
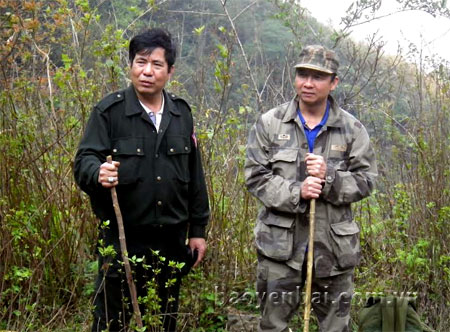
(150, 72)
(313, 87)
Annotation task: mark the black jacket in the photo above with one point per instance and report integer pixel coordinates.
(161, 179)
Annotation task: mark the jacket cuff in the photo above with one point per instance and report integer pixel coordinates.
(95, 179)
(88, 181)
(95, 186)
(295, 192)
(197, 231)
(296, 198)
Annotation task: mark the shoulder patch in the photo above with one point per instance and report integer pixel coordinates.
(176, 98)
(110, 100)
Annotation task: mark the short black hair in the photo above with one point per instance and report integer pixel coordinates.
(150, 39)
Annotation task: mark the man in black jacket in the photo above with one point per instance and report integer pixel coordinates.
(159, 180)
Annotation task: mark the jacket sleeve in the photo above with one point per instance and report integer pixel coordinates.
(92, 152)
(357, 180)
(198, 194)
(274, 191)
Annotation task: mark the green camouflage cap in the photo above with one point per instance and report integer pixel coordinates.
(318, 58)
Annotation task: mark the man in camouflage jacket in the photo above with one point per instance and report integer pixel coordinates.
(308, 148)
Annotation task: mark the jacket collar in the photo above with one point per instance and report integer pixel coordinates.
(290, 113)
(133, 106)
(334, 117)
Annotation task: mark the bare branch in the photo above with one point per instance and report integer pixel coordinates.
(140, 16)
(244, 55)
(244, 10)
(265, 82)
(194, 12)
(49, 80)
(375, 18)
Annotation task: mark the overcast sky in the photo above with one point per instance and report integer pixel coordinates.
(428, 33)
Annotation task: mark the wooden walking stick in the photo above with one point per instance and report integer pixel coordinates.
(310, 263)
(123, 249)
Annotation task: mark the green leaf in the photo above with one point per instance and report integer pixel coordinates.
(66, 60)
(199, 31)
(223, 50)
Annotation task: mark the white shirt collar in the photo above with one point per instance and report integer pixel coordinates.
(157, 114)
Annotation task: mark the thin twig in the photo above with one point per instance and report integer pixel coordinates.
(265, 82)
(244, 10)
(194, 12)
(244, 55)
(140, 16)
(49, 81)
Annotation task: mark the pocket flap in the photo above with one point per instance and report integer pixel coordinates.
(288, 155)
(128, 146)
(274, 238)
(178, 145)
(345, 228)
(279, 220)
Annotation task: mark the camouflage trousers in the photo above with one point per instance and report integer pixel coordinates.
(280, 291)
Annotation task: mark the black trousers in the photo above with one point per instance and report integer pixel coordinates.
(157, 283)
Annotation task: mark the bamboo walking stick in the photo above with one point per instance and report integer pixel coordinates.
(310, 263)
(123, 249)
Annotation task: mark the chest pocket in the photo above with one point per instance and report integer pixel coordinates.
(338, 160)
(178, 145)
(178, 150)
(284, 162)
(338, 151)
(129, 151)
(283, 154)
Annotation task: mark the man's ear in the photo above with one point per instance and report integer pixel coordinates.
(171, 70)
(334, 83)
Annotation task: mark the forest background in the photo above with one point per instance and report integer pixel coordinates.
(58, 58)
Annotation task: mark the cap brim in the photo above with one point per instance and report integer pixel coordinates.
(313, 67)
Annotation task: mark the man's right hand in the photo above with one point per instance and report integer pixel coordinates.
(108, 175)
(311, 187)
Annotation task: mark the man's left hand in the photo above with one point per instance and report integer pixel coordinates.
(316, 165)
(199, 244)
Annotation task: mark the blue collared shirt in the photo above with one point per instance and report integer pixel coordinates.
(311, 134)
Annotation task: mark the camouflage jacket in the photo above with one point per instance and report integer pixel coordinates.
(275, 170)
